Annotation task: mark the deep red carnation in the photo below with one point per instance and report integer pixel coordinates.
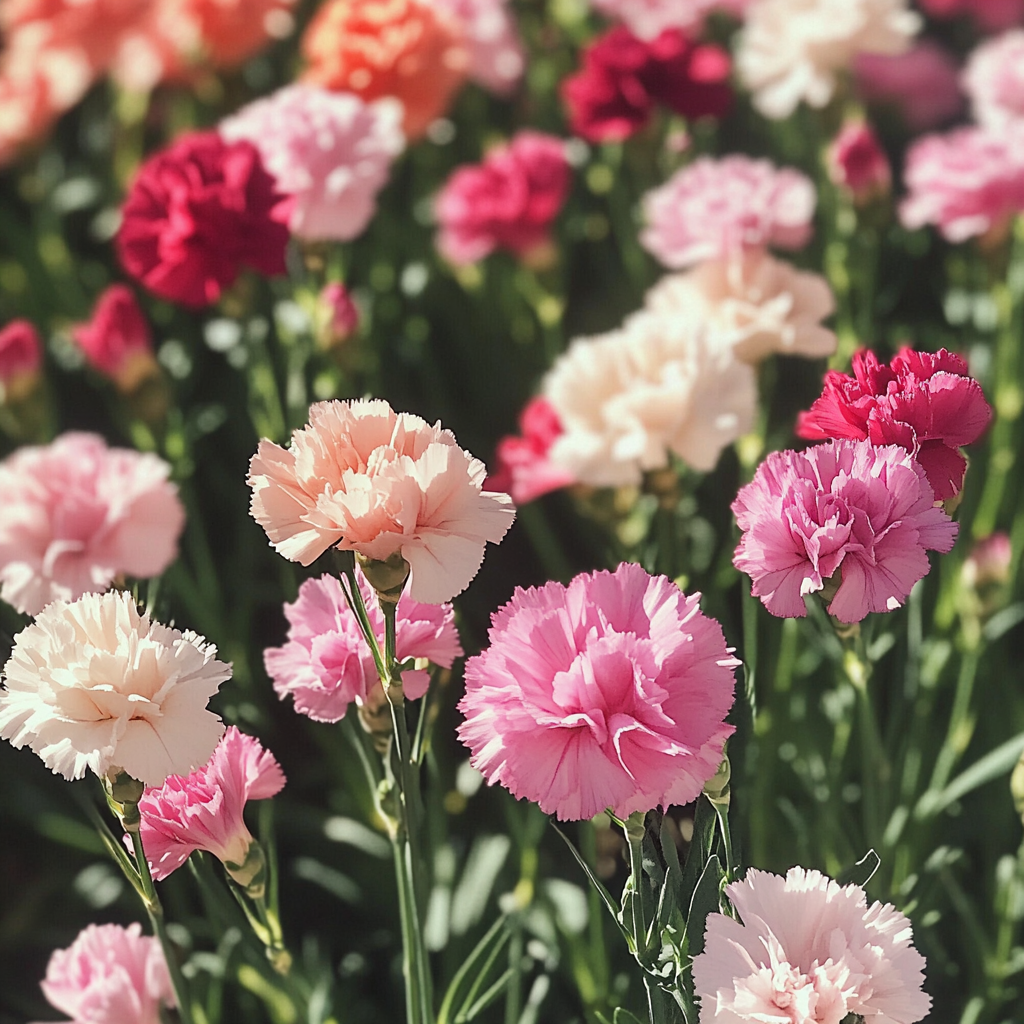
(623, 77)
(922, 401)
(197, 213)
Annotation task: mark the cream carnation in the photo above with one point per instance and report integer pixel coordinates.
(94, 684)
(792, 50)
(629, 398)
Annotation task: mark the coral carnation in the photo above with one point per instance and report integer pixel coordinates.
(227, 32)
(95, 685)
(117, 341)
(994, 80)
(326, 664)
(843, 507)
(364, 478)
(807, 949)
(609, 693)
(922, 401)
(76, 514)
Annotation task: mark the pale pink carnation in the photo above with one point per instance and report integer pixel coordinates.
(754, 306)
(608, 693)
(629, 399)
(76, 514)
(326, 664)
(489, 33)
(967, 183)
(95, 685)
(808, 950)
(203, 810)
(713, 209)
(647, 19)
(792, 51)
(110, 975)
(364, 478)
(994, 80)
(844, 507)
(332, 151)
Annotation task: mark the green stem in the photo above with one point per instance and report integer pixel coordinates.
(874, 763)
(958, 733)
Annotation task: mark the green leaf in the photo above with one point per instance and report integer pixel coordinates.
(623, 1016)
(705, 901)
(704, 824)
(994, 764)
(469, 977)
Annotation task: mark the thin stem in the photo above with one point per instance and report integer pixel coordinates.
(958, 733)
(875, 765)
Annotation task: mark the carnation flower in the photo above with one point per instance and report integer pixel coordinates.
(197, 213)
(76, 514)
(845, 507)
(922, 401)
(326, 664)
(507, 202)
(110, 975)
(94, 684)
(410, 49)
(754, 306)
(659, 385)
(226, 32)
(608, 693)
(624, 77)
(27, 108)
(21, 356)
(857, 162)
(990, 15)
(994, 80)
(339, 311)
(117, 341)
(715, 209)
(203, 810)
(647, 19)
(364, 478)
(969, 182)
(807, 949)
(989, 562)
(489, 33)
(331, 151)
(793, 50)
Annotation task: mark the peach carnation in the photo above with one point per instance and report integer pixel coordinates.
(95, 685)
(364, 478)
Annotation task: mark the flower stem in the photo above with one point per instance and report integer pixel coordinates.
(874, 763)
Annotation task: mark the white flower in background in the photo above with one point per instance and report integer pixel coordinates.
(647, 19)
(994, 80)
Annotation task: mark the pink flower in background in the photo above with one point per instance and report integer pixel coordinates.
(117, 341)
(364, 478)
(509, 201)
(714, 209)
(95, 685)
(341, 312)
(21, 353)
(489, 33)
(76, 514)
(990, 15)
(808, 949)
(844, 507)
(647, 19)
(922, 401)
(792, 51)
(989, 562)
(110, 975)
(608, 693)
(27, 110)
(994, 81)
(967, 183)
(629, 400)
(857, 162)
(923, 83)
(330, 151)
(203, 810)
(326, 664)
(523, 467)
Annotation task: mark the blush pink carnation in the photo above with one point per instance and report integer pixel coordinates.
(714, 209)
(331, 151)
(994, 80)
(326, 664)
(364, 478)
(489, 33)
(203, 810)
(76, 514)
(110, 975)
(608, 693)
(844, 507)
(647, 19)
(808, 950)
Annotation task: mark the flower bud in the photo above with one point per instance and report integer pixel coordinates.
(20, 360)
(857, 163)
(387, 576)
(339, 316)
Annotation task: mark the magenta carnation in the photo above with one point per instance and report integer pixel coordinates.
(326, 664)
(844, 507)
(608, 693)
(203, 810)
(922, 401)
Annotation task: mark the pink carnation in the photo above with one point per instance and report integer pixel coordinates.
(713, 209)
(647, 19)
(76, 514)
(203, 811)
(609, 693)
(364, 478)
(331, 151)
(110, 975)
(808, 949)
(922, 401)
(326, 664)
(507, 202)
(967, 183)
(994, 80)
(21, 352)
(857, 162)
(491, 39)
(340, 312)
(117, 341)
(991, 15)
(843, 507)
